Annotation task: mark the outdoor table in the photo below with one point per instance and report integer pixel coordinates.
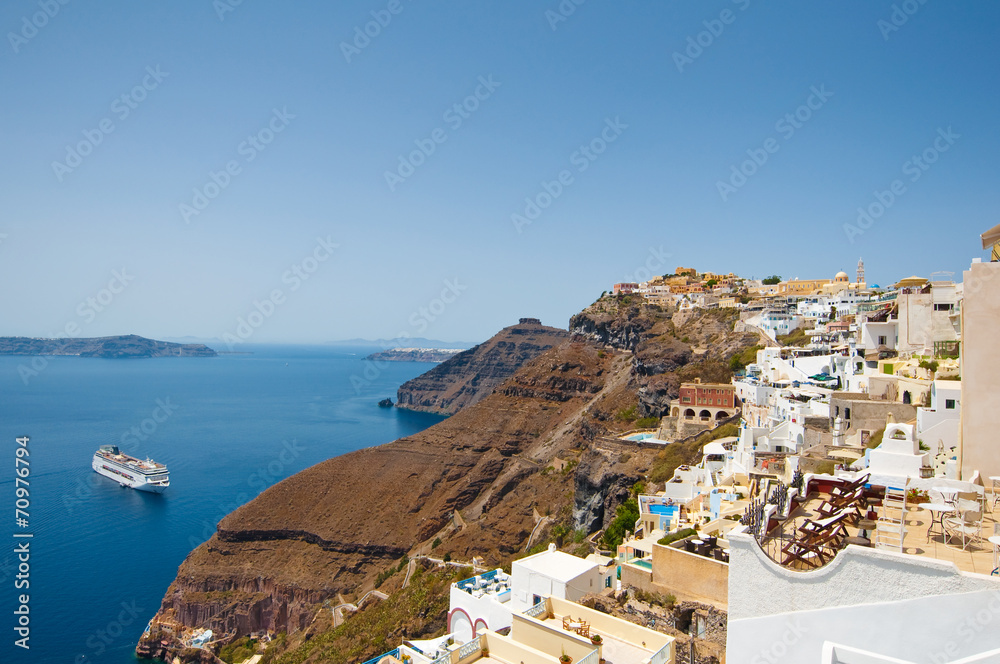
(995, 541)
(860, 541)
(947, 492)
(939, 509)
(866, 525)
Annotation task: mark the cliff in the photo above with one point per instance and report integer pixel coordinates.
(527, 463)
(472, 374)
(129, 345)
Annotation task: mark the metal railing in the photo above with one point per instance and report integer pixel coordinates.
(593, 658)
(469, 648)
(661, 656)
(391, 653)
(485, 576)
(536, 610)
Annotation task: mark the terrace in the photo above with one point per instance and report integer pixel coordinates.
(839, 514)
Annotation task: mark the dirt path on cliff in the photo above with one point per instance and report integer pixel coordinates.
(619, 377)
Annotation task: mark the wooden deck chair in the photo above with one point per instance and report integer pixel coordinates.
(851, 487)
(806, 554)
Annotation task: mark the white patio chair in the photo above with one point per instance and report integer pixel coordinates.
(967, 524)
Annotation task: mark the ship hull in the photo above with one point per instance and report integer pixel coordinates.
(126, 477)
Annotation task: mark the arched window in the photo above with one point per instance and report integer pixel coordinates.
(705, 414)
(689, 412)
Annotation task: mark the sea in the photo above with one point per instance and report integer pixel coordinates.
(100, 557)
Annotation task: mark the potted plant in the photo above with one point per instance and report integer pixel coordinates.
(564, 658)
(917, 496)
(596, 639)
(486, 651)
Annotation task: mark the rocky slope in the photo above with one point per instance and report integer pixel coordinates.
(472, 374)
(129, 345)
(668, 345)
(524, 464)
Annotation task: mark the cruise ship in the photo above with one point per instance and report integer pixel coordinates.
(131, 472)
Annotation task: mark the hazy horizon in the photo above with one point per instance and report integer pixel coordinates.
(387, 168)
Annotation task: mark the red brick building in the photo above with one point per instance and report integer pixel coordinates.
(715, 401)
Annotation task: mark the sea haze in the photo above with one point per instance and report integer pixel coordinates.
(229, 427)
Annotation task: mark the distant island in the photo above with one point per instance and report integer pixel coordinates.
(124, 346)
(415, 354)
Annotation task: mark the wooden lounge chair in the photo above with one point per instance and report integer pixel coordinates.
(804, 553)
(851, 501)
(850, 487)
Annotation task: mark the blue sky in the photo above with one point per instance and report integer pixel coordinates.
(309, 117)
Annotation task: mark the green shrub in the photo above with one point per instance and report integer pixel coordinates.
(238, 650)
(436, 543)
(624, 522)
(679, 535)
(627, 414)
(647, 422)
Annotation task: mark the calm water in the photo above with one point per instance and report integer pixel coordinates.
(227, 427)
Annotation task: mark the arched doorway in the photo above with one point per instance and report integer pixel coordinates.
(906, 397)
(689, 413)
(705, 415)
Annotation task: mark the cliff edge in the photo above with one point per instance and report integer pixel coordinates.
(469, 376)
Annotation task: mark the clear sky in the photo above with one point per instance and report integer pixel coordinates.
(199, 156)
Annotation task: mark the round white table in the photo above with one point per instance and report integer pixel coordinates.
(939, 509)
(948, 493)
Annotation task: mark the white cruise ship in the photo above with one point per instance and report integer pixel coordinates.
(131, 472)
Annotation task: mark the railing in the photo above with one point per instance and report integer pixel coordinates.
(593, 658)
(469, 648)
(536, 610)
(485, 576)
(661, 656)
(443, 659)
(391, 653)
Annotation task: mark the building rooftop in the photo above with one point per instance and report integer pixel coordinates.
(556, 564)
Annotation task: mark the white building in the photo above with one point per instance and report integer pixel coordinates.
(867, 606)
(489, 600)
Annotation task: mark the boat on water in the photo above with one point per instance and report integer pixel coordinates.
(130, 472)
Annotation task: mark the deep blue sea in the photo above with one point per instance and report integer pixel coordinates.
(227, 427)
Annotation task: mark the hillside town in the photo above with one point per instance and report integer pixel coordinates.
(847, 475)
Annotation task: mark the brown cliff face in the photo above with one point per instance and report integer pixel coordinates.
(329, 528)
(472, 374)
(479, 480)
